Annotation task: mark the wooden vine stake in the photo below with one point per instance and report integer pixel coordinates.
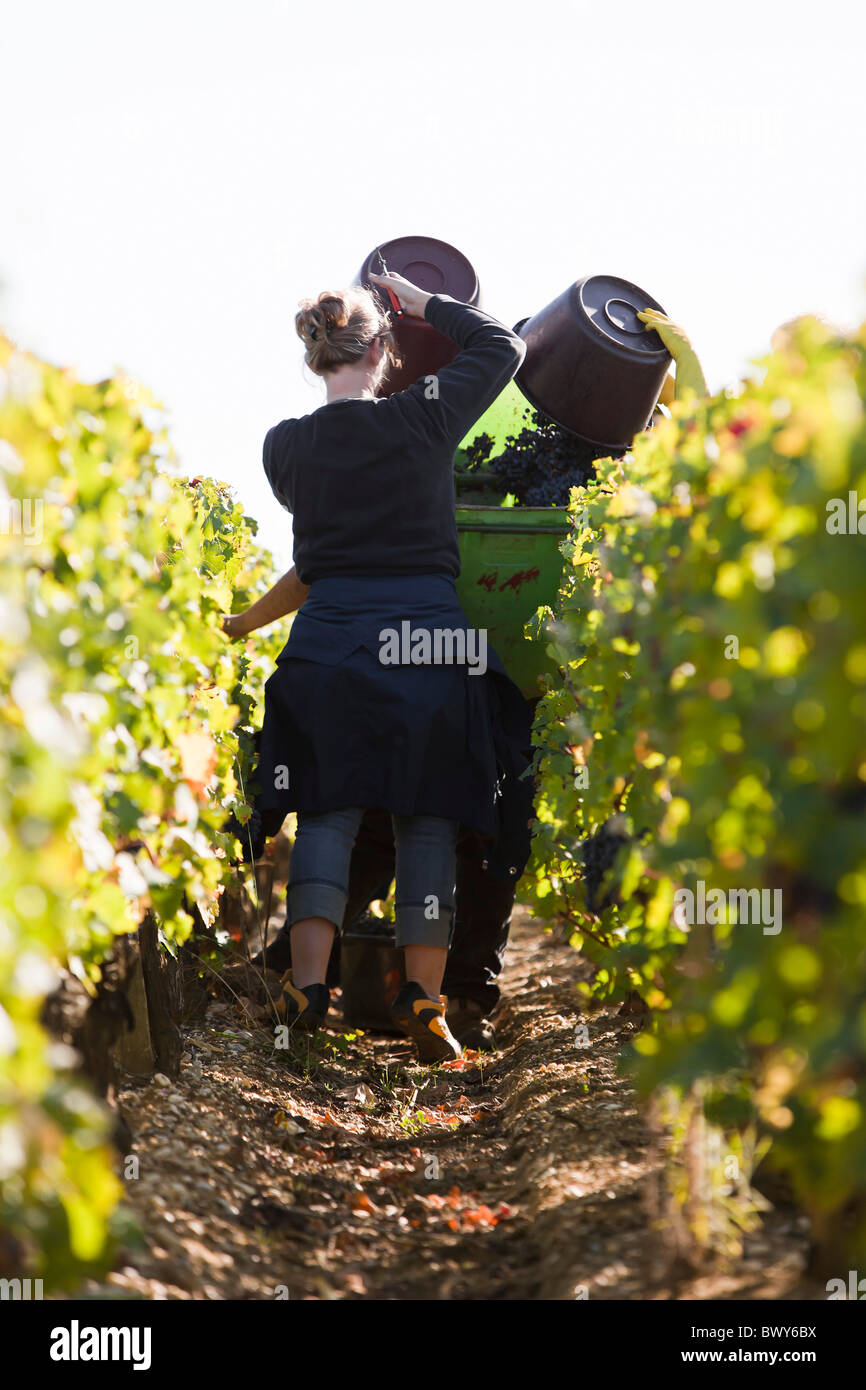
(155, 995)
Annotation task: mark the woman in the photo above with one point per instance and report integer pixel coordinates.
(383, 697)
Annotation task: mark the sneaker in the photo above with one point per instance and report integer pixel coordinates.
(305, 1009)
(423, 1020)
(468, 1023)
(278, 956)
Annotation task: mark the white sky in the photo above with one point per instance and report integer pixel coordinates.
(177, 174)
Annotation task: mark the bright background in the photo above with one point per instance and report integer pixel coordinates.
(176, 175)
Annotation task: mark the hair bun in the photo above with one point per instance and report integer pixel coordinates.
(338, 326)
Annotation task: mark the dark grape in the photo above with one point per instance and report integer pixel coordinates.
(599, 853)
(539, 465)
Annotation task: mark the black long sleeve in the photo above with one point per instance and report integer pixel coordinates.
(489, 356)
(369, 482)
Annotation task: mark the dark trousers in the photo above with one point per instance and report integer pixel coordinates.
(482, 912)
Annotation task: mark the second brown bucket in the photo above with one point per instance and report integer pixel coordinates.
(590, 364)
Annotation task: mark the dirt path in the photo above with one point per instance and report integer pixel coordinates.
(346, 1171)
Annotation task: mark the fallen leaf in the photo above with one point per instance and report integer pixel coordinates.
(317, 1155)
(437, 1092)
(359, 1201)
(366, 1097)
(481, 1216)
(286, 1123)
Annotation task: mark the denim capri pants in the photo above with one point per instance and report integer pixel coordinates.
(425, 872)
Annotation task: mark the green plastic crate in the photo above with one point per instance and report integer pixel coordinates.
(511, 565)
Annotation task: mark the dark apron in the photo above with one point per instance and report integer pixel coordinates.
(343, 729)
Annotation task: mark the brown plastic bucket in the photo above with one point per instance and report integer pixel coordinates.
(371, 973)
(590, 364)
(434, 266)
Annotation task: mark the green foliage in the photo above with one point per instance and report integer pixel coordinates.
(711, 631)
(124, 739)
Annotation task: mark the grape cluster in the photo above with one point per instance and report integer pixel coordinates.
(599, 853)
(539, 465)
(251, 835)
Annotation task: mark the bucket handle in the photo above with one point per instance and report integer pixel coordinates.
(636, 332)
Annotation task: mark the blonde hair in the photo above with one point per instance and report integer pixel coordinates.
(339, 326)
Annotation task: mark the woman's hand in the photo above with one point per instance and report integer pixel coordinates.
(690, 378)
(412, 300)
(235, 625)
(286, 596)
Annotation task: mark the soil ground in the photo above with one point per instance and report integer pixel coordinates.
(342, 1170)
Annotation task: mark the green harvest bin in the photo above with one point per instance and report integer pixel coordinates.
(507, 416)
(510, 566)
(509, 556)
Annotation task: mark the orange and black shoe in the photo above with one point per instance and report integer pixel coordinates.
(305, 1009)
(423, 1020)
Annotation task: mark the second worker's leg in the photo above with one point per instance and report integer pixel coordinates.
(481, 925)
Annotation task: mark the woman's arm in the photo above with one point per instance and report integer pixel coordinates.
(286, 596)
(490, 354)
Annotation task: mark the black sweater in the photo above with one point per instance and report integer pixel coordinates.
(370, 482)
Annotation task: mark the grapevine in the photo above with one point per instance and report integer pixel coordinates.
(126, 729)
(713, 626)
